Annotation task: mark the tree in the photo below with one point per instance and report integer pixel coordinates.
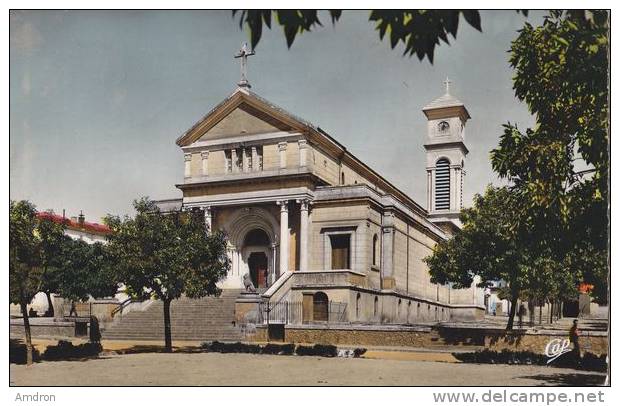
(561, 166)
(495, 245)
(29, 242)
(166, 255)
(418, 30)
(84, 270)
(53, 240)
(43, 259)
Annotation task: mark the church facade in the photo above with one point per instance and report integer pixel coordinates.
(310, 223)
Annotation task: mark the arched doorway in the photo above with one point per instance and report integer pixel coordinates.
(256, 252)
(320, 306)
(257, 262)
(250, 230)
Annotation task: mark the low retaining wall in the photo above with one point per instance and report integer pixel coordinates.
(43, 328)
(425, 337)
(595, 344)
(353, 335)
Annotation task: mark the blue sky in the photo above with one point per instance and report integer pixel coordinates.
(99, 97)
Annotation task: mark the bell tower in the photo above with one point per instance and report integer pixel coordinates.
(445, 158)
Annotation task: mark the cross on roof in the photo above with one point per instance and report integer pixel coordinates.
(447, 83)
(243, 54)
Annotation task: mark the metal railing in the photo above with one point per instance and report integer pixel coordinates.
(122, 305)
(287, 312)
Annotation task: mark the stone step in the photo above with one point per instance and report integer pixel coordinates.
(208, 318)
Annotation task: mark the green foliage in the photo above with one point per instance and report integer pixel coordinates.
(560, 168)
(84, 270)
(495, 244)
(418, 30)
(26, 259)
(166, 254)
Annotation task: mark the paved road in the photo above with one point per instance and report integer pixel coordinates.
(246, 369)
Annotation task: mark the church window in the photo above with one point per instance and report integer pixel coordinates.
(443, 127)
(342, 178)
(442, 184)
(357, 306)
(375, 250)
(341, 250)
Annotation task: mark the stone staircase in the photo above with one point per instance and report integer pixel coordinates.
(205, 319)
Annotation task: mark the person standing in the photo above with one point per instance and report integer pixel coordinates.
(73, 310)
(521, 313)
(573, 335)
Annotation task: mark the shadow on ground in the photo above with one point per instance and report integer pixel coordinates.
(561, 379)
(141, 349)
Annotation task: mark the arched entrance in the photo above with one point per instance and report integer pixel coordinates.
(256, 249)
(257, 256)
(253, 236)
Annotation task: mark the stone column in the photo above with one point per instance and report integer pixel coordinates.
(459, 188)
(208, 218)
(274, 271)
(284, 235)
(254, 159)
(303, 238)
(234, 160)
(282, 150)
(303, 152)
(433, 191)
(453, 189)
(188, 165)
(387, 268)
(429, 189)
(205, 162)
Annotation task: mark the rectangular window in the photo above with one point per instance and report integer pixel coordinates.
(341, 250)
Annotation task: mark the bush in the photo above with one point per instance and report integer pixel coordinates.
(17, 352)
(319, 350)
(225, 348)
(66, 350)
(589, 361)
(279, 349)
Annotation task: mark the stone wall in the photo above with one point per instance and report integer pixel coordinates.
(43, 328)
(403, 336)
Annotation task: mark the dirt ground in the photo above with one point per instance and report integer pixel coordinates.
(213, 369)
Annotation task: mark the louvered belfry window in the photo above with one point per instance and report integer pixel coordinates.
(442, 185)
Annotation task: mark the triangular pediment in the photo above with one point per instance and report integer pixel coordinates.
(243, 113)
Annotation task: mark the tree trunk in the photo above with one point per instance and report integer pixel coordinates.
(24, 308)
(513, 310)
(530, 310)
(167, 329)
(540, 313)
(50, 305)
(551, 312)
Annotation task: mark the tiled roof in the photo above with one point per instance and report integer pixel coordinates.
(94, 228)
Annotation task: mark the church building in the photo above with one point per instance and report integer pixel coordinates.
(308, 222)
